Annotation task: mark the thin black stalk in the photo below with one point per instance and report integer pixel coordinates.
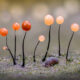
(23, 54)
(69, 46)
(15, 47)
(14, 62)
(34, 59)
(59, 52)
(44, 58)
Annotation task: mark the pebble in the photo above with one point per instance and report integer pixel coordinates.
(50, 61)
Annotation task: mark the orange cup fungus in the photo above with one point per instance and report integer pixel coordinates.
(16, 26)
(59, 20)
(26, 25)
(4, 32)
(41, 38)
(49, 20)
(75, 27)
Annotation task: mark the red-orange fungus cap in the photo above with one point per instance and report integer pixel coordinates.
(4, 32)
(26, 25)
(16, 26)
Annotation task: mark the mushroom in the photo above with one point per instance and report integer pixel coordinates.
(26, 26)
(49, 20)
(41, 39)
(16, 27)
(74, 28)
(59, 21)
(4, 33)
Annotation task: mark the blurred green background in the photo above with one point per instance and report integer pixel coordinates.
(34, 10)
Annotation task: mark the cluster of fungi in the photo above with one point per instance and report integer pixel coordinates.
(26, 26)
